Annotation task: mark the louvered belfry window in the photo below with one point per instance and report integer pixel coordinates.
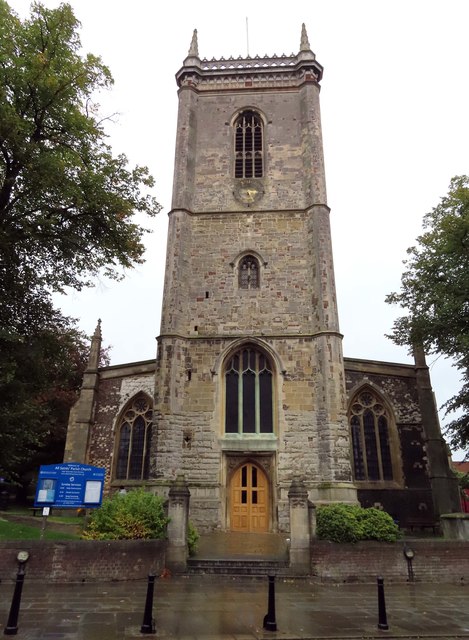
(248, 146)
(369, 424)
(133, 454)
(248, 393)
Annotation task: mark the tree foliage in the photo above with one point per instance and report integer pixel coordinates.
(40, 378)
(435, 294)
(67, 213)
(67, 204)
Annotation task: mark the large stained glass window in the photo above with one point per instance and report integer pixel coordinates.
(134, 434)
(248, 393)
(370, 424)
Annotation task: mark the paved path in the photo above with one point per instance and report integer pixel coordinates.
(224, 608)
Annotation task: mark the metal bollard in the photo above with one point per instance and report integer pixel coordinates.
(269, 619)
(11, 628)
(409, 556)
(148, 624)
(382, 618)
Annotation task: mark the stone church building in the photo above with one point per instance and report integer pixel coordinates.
(250, 391)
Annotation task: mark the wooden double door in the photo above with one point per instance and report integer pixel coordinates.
(249, 493)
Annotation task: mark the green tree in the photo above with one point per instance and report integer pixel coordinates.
(435, 294)
(68, 211)
(67, 204)
(40, 377)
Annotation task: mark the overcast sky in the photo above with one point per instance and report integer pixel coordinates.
(395, 122)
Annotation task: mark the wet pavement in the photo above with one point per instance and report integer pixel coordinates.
(215, 607)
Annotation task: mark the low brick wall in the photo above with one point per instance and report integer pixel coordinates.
(84, 560)
(434, 561)
(101, 561)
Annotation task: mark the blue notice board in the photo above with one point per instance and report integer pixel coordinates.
(70, 485)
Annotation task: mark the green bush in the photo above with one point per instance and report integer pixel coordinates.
(135, 515)
(192, 539)
(339, 523)
(378, 525)
(351, 523)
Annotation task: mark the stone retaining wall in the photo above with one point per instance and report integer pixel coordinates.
(84, 560)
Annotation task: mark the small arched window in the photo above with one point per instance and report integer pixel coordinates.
(370, 431)
(248, 393)
(134, 439)
(248, 273)
(249, 146)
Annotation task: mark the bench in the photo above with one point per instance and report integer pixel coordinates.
(417, 523)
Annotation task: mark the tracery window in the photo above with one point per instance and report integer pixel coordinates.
(249, 146)
(134, 438)
(248, 273)
(248, 393)
(370, 430)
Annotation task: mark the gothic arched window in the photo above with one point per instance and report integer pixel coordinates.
(248, 273)
(134, 437)
(370, 430)
(248, 393)
(248, 146)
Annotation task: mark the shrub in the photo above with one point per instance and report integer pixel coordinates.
(351, 523)
(339, 523)
(378, 525)
(135, 515)
(192, 539)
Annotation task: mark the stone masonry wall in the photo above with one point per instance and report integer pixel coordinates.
(113, 395)
(292, 315)
(292, 149)
(411, 498)
(215, 305)
(396, 383)
(190, 420)
(289, 314)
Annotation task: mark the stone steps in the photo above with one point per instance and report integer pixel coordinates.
(240, 567)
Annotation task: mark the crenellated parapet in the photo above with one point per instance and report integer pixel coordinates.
(239, 72)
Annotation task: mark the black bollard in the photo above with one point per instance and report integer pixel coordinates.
(409, 556)
(148, 624)
(382, 618)
(12, 625)
(269, 619)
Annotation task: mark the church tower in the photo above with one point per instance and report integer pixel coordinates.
(250, 389)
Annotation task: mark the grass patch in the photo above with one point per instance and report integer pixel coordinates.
(66, 519)
(17, 531)
(60, 519)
